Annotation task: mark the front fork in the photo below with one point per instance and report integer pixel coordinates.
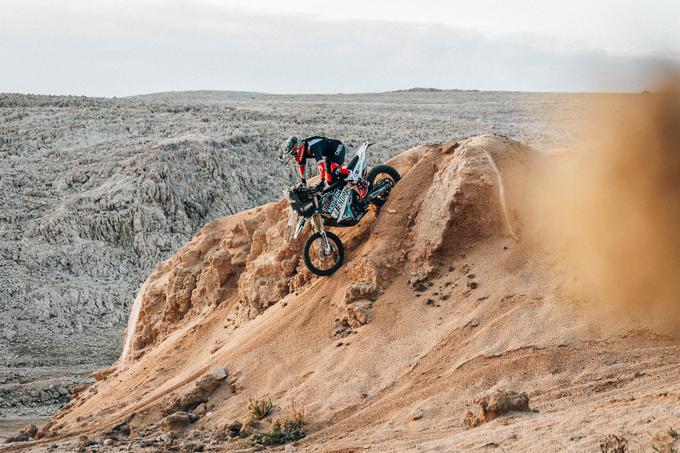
(317, 223)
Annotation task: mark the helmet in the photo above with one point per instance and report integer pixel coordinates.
(290, 147)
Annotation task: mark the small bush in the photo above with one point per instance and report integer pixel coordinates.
(260, 409)
(296, 414)
(279, 434)
(665, 442)
(283, 431)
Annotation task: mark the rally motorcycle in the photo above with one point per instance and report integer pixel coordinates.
(339, 205)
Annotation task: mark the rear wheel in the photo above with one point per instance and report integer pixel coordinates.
(382, 176)
(324, 257)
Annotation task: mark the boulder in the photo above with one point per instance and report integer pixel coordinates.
(176, 421)
(31, 430)
(496, 404)
(28, 433)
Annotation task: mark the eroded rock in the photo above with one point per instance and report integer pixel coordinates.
(176, 421)
(200, 393)
(28, 433)
(102, 374)
(496, 404)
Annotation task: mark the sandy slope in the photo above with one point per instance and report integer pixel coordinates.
(436, 305)
(95, 192)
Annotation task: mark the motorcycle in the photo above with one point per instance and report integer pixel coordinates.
(339, 205)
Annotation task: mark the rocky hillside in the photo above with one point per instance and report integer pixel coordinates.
(445, 329)
(95, 192)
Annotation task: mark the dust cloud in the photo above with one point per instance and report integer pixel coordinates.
(610, 209)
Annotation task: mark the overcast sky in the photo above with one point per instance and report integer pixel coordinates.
(121, 47)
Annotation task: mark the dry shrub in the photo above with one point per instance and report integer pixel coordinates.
(666, 442)
(287, 429)
(261, 408)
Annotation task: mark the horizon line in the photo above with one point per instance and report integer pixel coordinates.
(334, 93)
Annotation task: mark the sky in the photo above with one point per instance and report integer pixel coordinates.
(126, 47)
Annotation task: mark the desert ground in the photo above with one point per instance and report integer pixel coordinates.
(451, 327)
(95, 192)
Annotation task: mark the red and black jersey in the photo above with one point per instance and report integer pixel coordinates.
(329, 154)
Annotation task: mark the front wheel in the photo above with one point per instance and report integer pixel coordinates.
(381, 180)
(324, 257)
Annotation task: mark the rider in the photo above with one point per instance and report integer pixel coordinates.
(329, 154)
